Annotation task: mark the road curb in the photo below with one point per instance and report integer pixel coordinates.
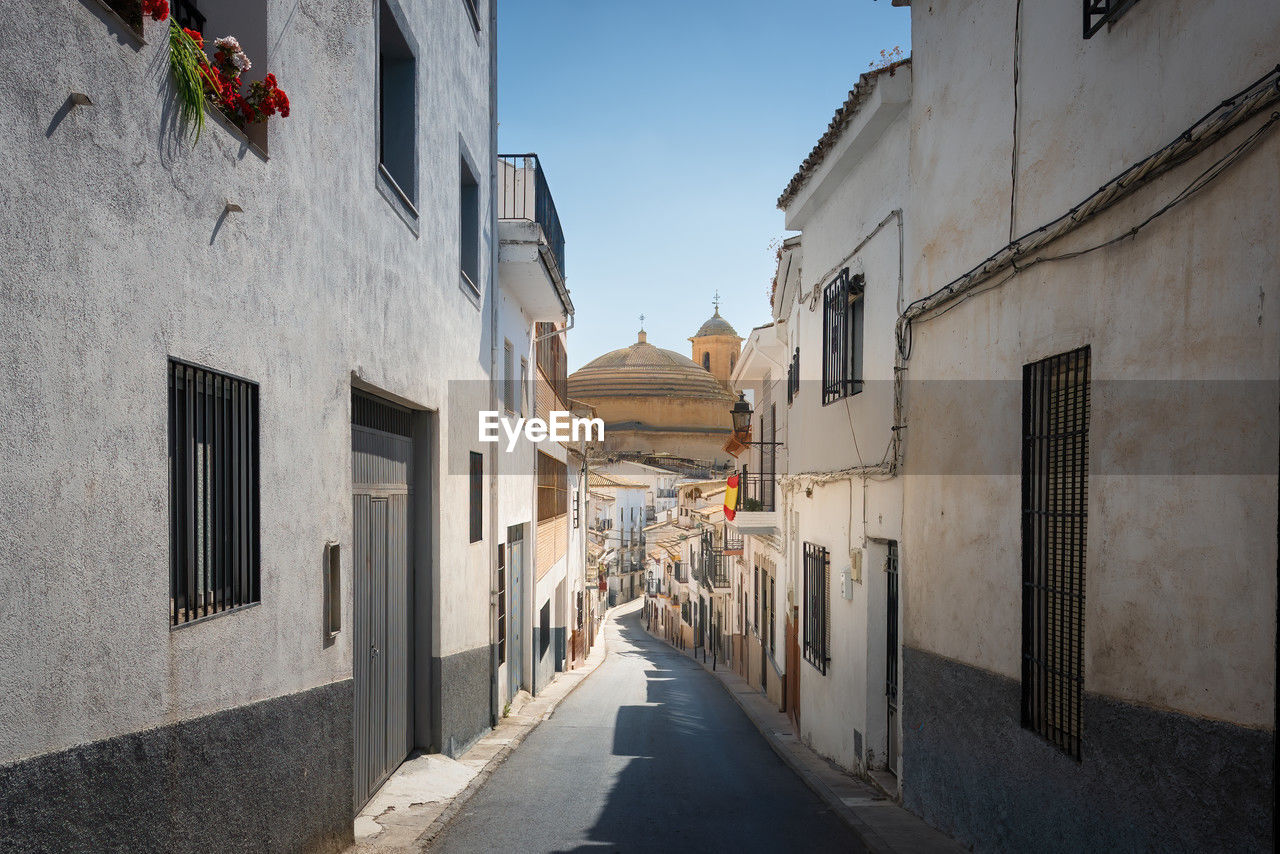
(424, 841)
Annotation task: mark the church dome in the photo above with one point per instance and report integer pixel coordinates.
(716, 325)
(643, 370)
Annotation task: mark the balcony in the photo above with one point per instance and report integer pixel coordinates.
(714, 562)
(757, 510)
(531, 242)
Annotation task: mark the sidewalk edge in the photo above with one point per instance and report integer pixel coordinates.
(427, 837)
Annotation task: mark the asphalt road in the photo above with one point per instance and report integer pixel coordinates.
(649, 754)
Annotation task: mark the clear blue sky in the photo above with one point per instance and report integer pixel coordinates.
(667, 130)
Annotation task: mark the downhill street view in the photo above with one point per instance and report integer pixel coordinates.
(719, 426)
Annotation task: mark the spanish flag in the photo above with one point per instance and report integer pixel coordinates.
(731, 497)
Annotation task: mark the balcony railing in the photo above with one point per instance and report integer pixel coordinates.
(756, 491)
(715, 568)
(524, 194)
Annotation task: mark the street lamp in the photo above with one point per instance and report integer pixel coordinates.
(741, 413)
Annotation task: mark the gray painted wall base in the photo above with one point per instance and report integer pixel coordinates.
(272, 776)
(545, 666)
(1148, 780)
(464, 698)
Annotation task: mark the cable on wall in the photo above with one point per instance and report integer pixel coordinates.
(1018, 254)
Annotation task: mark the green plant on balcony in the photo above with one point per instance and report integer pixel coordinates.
(752, 505)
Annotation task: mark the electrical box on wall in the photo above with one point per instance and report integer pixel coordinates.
(852, 575)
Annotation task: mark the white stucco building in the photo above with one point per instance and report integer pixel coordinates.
(822, 511)
(540, 561)
(242, 374)
(1090, 420)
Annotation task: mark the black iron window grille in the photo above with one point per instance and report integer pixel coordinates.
(793, 376)
(502, 603)
(842, 337)
(755, 597)
(891, 626)
(773, 605)
(1055, 481)
(1099, 13)
(817, 606)
(213, 493)
(477, 497)
(187, 15)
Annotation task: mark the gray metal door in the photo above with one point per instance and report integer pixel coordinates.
(381, 548)
(891, 657)
(515, 608)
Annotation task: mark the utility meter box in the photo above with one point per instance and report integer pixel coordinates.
(852, 575)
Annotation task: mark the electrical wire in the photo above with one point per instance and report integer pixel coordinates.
(1214, 125)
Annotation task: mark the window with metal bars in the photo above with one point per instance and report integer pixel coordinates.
(817, 606)
(755, 597)
(793, 376)
(842, 337)
(213, 493)
(502, 603)
(1100, 13)
(1055, 482)
(772, 618)
(477, 497)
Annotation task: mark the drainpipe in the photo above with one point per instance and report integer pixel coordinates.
(493, 360)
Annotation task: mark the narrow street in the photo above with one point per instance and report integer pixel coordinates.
(649, 754)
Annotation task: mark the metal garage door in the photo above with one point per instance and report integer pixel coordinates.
(381, 456)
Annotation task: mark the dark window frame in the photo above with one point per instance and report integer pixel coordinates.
(1055, 506)
(843, 302)
(469, 237)
(473, 13)
(476, 498)
(817, 606)
(215, 556)
(793, 377)
(398, 58)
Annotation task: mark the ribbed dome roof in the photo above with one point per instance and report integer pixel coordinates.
(643, 370)
(716, 325)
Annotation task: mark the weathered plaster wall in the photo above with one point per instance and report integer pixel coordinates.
(117, 255)
(1180, 580)
(1180, 586)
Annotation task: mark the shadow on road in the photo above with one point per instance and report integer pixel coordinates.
(699, 776)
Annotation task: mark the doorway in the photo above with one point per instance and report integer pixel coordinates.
(891, 658)
(382, 547)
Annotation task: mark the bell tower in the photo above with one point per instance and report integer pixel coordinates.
(716, 346)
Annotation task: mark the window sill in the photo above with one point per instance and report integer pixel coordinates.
(398, 199)
(239, 135)
(199, 620)
(469, 288)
